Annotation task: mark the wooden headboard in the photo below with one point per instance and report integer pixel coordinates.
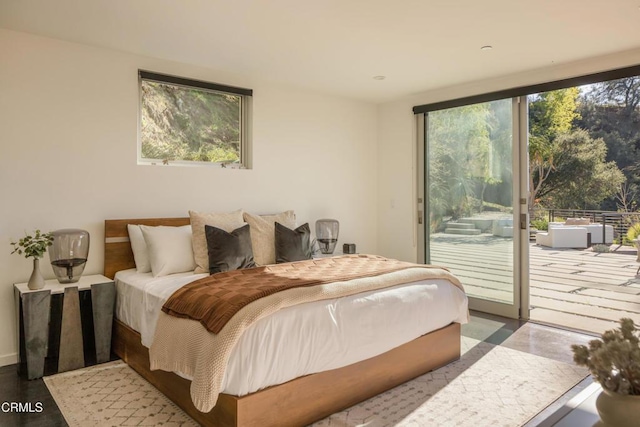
(117, 248)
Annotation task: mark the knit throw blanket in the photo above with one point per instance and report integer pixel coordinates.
(215, 299)
(186, 346)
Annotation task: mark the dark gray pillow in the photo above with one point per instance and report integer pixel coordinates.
(292, 245)
(229, 251)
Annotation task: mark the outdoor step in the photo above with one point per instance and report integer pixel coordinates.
(470, 232)
(481, 223)
(464, 225)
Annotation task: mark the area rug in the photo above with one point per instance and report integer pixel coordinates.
(113, 394)
(489, 386)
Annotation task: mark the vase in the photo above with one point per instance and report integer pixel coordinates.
(618, 410)
(36, 281)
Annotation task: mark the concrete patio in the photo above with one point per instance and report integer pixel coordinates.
(580, 289)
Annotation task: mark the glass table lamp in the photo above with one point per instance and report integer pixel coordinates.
(69, 253)
(327, 234)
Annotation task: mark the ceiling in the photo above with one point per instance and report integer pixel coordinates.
(338, 46)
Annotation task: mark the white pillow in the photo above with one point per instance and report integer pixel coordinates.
(139, 248)
(170, 249)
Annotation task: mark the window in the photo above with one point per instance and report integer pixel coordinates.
(190, 122)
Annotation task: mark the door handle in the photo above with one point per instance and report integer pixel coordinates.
(523, 221)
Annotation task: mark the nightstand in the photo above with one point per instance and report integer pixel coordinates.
(69, 322)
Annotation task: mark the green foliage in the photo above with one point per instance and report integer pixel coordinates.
(582, 177)
(551, 115)
(33, 246)
(633, 232)
(469, 156)
(179, 123)
(601, 248)
(614, 360)
(540, 224)
(611, 111)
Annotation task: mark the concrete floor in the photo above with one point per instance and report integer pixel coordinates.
(578, 289)
(544, 341)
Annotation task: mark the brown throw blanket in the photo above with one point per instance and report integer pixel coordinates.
(214, 300)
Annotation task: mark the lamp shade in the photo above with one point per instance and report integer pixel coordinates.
(68, 254)
(327, 234)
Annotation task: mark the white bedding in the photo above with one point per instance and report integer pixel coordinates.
(307, 338)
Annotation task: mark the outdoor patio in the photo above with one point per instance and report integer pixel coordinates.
(579, 289)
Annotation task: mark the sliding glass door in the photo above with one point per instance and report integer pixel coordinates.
(469, 200)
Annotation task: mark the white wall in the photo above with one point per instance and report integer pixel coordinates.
(68, 123)
(397, 232)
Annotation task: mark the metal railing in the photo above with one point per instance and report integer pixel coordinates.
(620, 221)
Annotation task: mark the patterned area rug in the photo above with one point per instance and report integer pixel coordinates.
(113, 394)
(489, 386)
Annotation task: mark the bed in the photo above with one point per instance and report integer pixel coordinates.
(298, 401)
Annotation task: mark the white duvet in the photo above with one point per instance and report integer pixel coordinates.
(307, 338)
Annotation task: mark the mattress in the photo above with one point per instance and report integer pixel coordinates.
(306, 338)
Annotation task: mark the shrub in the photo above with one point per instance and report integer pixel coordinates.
(600, 248)
(634, 232)
(540, 224)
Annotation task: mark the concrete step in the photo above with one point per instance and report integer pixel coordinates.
(481, 223)
(461, 225)
(467, 231)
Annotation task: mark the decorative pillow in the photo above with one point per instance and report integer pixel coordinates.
(170, 249)
(229, 251)
(577, 221)
(262, 234)
(292, 245)
(139, 248)
(226, 221)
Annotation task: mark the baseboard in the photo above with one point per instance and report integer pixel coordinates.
(8, 359)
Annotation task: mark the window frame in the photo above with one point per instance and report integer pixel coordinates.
(246, 112)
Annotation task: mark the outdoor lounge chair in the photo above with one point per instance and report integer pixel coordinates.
(503, 227)
(563, 237)
(596, 233)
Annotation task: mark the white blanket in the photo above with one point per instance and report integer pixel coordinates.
(307, 338)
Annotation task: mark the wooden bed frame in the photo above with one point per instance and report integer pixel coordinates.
(297, 402)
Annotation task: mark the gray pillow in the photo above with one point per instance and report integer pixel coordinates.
(292, 245)
(229, 251)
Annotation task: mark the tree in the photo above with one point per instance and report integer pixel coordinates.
(551, 114)
(625, 198)
(458, 148)
(624, 93)
(179, 123)
(582, 178)
(611, 111)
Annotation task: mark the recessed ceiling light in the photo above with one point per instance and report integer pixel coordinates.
(487, 47)
(379, 77)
